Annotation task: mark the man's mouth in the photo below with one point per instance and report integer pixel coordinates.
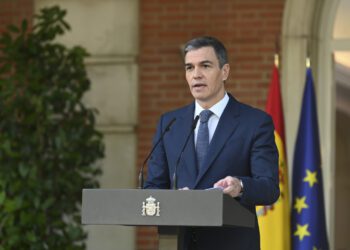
(198, 85)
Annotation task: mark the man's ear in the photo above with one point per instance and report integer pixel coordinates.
(225, 71)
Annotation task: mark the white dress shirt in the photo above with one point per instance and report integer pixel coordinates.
(217, 110)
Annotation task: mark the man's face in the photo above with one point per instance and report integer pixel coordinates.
(204, 76)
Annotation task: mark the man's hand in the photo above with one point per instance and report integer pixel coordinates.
(230, 185)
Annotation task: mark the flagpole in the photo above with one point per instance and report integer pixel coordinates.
(274, 220)
(308, 214)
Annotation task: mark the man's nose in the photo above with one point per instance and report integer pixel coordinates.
(197, 73)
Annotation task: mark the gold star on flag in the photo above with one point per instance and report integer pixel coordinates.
(302, 231)
(300, 204)
(310, 177)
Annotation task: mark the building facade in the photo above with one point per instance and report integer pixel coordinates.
(137, 74)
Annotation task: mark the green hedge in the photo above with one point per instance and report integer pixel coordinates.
(48, 142)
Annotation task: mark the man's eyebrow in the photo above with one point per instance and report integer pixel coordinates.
(206, 61)
(202, 62)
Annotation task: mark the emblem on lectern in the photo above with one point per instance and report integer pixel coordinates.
(150, 207)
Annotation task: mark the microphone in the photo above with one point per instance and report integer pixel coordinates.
(167, 128)
(193, 127)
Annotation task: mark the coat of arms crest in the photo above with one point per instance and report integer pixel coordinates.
(150, 207)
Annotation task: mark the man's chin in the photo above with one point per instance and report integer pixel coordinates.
(199, 96)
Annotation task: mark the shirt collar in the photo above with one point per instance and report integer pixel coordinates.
(217, 109)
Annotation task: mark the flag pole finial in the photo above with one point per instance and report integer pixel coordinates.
(276, 60)
(308, 63)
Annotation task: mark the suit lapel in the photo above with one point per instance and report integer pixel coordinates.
(189, 155)
(228, 123)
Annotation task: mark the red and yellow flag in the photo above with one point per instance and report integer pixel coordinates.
(274, 220)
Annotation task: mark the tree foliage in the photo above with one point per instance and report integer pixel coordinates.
(48, 142)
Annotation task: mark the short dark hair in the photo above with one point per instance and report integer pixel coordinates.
(207, 41)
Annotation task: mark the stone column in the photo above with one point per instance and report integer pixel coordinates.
(108, 29)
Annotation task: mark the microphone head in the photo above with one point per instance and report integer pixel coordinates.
(170, 124)
(195, 121)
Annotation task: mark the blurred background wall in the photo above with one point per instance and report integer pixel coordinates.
(137, 74)
(249, 30)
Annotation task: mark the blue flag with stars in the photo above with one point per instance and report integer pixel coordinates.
(308, 214)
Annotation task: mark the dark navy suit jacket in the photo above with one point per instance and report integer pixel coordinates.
(243, 146)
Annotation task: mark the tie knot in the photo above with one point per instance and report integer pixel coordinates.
(205, 115)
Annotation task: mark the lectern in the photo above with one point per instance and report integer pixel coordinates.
(170, 210)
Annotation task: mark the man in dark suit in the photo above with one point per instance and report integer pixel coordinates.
(232, 147)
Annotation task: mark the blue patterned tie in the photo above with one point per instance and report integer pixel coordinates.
(203, 137)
